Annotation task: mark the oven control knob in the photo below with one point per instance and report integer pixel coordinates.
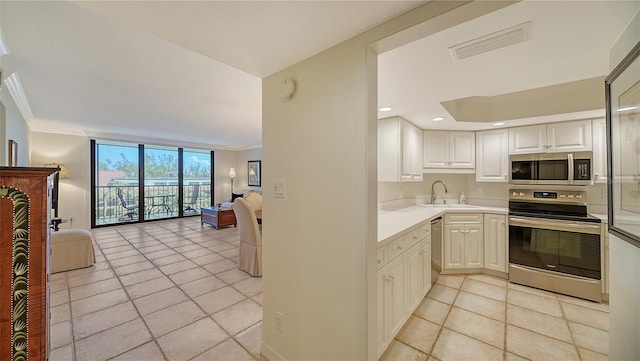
(561, 195)
(579, 196)
(515, 194)
(521, 194)
(570, 195)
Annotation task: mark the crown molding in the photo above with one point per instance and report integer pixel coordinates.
(17, 93)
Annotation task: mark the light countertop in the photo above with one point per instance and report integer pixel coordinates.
(392, 222)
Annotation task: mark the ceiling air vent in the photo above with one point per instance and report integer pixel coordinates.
(499, 39)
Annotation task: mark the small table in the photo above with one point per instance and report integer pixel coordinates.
(158, 201)
(217, 217)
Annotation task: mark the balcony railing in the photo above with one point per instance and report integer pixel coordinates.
(161, 201)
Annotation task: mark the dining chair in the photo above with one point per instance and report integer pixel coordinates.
(131, 210)
(250, 254)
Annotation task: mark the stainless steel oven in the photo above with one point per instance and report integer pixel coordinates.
(553, 243)
(552, 168)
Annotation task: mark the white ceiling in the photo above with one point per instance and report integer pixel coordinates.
(177, 72)
(569, 41)
(189, 73)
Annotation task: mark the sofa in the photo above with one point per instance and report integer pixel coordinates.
(252, 197)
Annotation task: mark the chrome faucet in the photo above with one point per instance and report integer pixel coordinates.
(434, 197)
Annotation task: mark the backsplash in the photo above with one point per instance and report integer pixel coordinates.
(483, 194)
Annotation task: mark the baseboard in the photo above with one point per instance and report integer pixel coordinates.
(270, 354)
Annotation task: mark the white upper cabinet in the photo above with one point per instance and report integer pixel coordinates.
(448, 152)
(600, 150)
(553, 137)
(399, 151)
(492, 156)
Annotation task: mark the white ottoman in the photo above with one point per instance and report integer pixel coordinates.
(71, 249)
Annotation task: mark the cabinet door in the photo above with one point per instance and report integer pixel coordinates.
(411, 153)
(383, 307)
(600, 151)
(495, 242)
(388, 149)
(529, 139)
(569, 136)
(462, 150)
(397, 303)
(453, 246)
(413, 261)
(417, 154)
(473, 246)
(492, 156)
(426, 264)
(436, 149)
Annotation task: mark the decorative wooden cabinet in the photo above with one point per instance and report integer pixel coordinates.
(24, 262)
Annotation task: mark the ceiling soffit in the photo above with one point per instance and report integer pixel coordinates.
(576, 96)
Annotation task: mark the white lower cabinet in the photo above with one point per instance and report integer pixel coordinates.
(413, 262)
(495, 242)
(463, 241)
(404, 265)
(391, 301)
(426, 262)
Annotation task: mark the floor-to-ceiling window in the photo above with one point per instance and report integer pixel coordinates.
(137, 182)
(196, 171)
(160, 182)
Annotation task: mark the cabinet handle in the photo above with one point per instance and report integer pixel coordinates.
(390, 278)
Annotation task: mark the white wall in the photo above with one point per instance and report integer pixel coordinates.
(624, 297)
(223, 161)
(319, 242)
(16, 128)
(242, 168)
(74, 152)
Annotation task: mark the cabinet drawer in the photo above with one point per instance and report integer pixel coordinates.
(463, 218)
(382, 256)
(396, 247)
(412, 237)
(425, 229)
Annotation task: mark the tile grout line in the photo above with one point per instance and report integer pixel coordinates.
(207, 315)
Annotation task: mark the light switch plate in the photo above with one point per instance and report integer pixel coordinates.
(278, 189)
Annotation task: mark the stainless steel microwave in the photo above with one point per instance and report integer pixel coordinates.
(552, 168)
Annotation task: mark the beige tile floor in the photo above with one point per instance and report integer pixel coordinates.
(479, 317)
(171, 290)
(166, 290)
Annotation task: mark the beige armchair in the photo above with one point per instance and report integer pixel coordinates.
(250, 258)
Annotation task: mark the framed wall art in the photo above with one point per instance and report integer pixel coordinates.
(254, 173)
(622, 90)
(13, 153)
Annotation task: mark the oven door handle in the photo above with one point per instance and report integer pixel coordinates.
(556, 225)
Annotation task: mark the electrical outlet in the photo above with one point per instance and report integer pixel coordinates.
(279, 321)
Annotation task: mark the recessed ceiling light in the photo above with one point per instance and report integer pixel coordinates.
(437, 119)
(627, 108)
(498, 123)
(385, 108)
